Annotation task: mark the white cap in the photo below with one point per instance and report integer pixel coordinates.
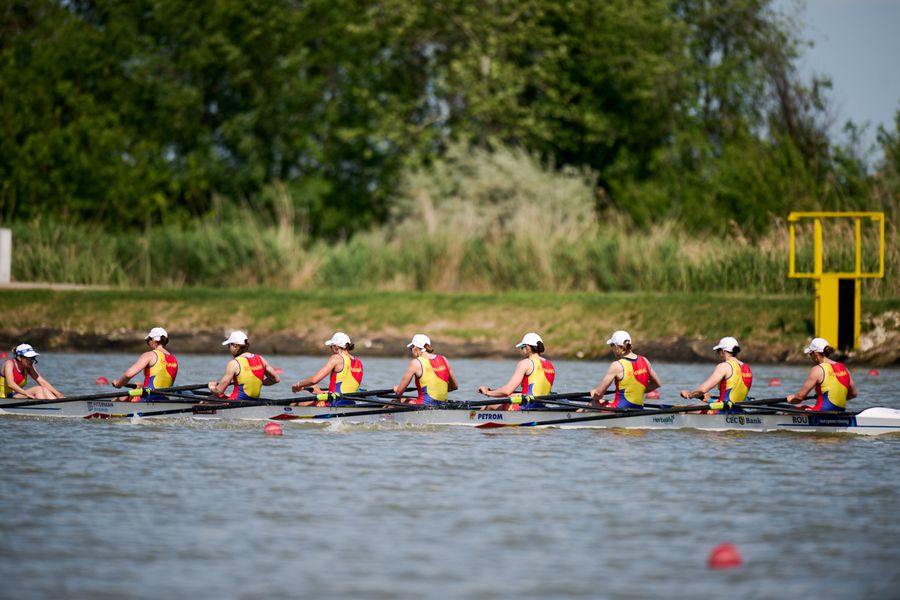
(619, 338)
(420, 340)
(26, 350)
(530, 339)
(816, 345)
(339, 339)
(157, 333)
(728, 344)
(236, 337)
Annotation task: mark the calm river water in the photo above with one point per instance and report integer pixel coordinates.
(93, 509)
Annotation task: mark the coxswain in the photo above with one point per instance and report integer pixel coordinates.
(832, 380)
(433, 374)
(732, 376)
(345, 369)
(160, 366)
(14, 377)
(632, 374)
(534, 375)
(246, 371)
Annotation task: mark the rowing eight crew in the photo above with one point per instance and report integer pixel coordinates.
(632, 374)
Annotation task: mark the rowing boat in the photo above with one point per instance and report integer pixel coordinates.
(871, 421)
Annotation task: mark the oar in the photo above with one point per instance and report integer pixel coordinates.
(135, 393)
(527, 398)
(633, 413)
(226, 405)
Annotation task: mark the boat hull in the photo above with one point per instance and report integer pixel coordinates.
(872, 421)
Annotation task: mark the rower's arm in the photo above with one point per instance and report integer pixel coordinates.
(655, 382)
(851, 389)
(511, 385)
(218, 387)
(718, 374)
(452, 384)
(319, 375)
(614, 372)
(411, 371)
(271, 377)
(39, 379)
(815, 376)
(139, 365)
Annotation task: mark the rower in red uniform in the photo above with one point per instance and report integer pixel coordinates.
(346, 372)
(733, 377)
(160, 366)
(832, 380)
(631, 373)
(433, 374)
(246, 371)
(14, 377)
(534, 374)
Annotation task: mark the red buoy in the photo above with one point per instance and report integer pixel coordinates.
(102, 381)
(273, 429)
(4, 354)
(774, 382)
(278, 370)
(652, 395)
(874, 373)
(724, 556)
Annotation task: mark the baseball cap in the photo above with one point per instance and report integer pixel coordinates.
(236, 337)
(619, 338)
(157, 333)
(728, 344)
(26, 350)
(420, 340)
(530, 339)
(816, 345)
(339, 339)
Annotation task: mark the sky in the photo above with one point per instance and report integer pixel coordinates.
(857, 44)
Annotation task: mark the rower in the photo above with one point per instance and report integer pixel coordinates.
(832, 381)
(733, 377)
(433, 374)
(246, 371)
(346, 372)
(534, 374)
(160, 366)
(632, 374)
(14, 377)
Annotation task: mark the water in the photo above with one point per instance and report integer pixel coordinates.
(93, 509)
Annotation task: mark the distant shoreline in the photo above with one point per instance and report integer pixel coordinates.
(671, 327)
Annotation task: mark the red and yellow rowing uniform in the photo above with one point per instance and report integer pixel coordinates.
(831, 393)
(434, 382)
(248, 382)
(163, 373)
(631, 387)
(736, 387)
(346, 380)
(19, 378)
(540, 382)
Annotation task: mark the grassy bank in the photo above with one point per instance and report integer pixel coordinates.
(475, 223)
(571, 323)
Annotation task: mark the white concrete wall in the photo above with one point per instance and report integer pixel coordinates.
(5, 256)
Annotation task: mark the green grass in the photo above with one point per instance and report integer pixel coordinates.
(570, 322)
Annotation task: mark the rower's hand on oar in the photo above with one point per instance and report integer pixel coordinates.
(794, 399)
(483, 390)
(696, 395)
(597, 394)
(117, 383)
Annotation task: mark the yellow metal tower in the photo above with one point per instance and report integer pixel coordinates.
(837, 305)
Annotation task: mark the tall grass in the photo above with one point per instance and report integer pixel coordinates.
(475, 221)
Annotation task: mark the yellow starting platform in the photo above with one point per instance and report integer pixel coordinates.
(837, 304)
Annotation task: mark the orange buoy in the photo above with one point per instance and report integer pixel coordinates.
(774, 382)
(102, 381)
(874, 373)
(724, 556)
(273, 429)
(652, 395)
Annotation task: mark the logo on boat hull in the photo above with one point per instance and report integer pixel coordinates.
(742, 420)
(485, 416)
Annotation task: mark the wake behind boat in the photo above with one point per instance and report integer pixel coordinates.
(871, 421)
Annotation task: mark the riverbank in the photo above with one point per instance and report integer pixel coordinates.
(679, 327)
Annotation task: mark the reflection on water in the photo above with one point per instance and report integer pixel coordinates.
(147, 509)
